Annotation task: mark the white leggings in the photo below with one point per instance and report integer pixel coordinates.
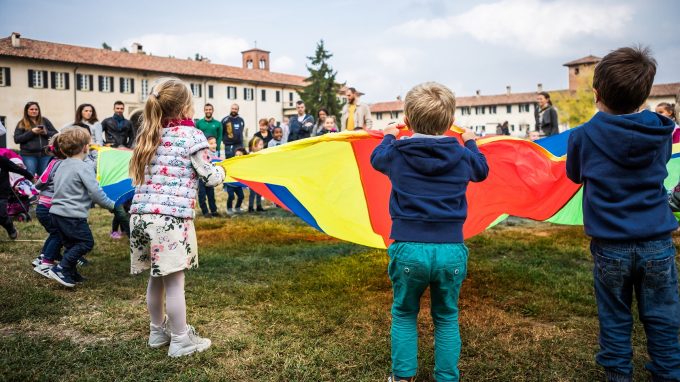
(172, 288)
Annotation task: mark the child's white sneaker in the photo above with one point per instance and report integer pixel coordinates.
(159, 335)
(187, 343)
(230, 211)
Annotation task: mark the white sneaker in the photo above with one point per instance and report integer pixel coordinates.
(230, 211)
(44, 269)
(187, 343)
(159, 335)
(37, 260)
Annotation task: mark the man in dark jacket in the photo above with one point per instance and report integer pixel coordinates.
(118, 131)
(232, 132)
(301, 125)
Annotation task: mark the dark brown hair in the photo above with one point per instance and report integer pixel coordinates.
(26, 122)
(670, 109)
(624, 78)
(546, 95)
(79, 114)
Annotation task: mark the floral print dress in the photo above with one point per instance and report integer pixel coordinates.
(166, 243)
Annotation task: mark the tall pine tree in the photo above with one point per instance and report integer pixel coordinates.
(322, 90)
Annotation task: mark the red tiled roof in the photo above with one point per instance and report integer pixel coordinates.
(43, 50)
(660, 90)
(585, 60)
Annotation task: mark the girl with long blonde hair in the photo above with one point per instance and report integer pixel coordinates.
(170, 157)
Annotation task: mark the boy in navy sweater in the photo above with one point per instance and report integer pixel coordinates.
(429, 173)
(620, 156)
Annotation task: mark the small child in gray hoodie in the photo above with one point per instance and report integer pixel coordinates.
(75, 187)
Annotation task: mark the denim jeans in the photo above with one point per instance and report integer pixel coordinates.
(647, 269)
(252, 197)
(36, 164)
(413, 267)
(77, 238)
(204, 191)
(234, 192)
(52, 247)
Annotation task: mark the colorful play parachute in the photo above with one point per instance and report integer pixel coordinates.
(329, 183)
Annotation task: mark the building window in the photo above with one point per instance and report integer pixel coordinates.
(196, 89)
(576, 71)
(210, 91)
(263, 63)
(231, 92)
(84, 82)
(278, 96)
(264, 95)
(5, 78)
(105, 84)
(248, 94)
(508, 109)
(290, 99)
(127, 85)
(396, 115)
(59, 80)
(37, 79)
(145, 89)
(465, 110)
(378, 116)
(492, 109)
(249, 64)
(524, 108)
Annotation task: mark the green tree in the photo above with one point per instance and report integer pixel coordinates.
(124, 49)
(577, 106)
(106, 46)
(321, 90)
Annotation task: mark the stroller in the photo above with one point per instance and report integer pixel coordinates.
(24, 194)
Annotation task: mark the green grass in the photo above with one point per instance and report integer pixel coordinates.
(282, 302)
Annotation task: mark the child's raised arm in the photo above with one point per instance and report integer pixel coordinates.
(478, 166)
(381, 155)
(210, 174)
(90, 182)
(573, 166)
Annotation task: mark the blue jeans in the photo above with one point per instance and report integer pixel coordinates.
(254, 198)
(77, 238)
(52, 247)
(413, 267)
(234, 192)
(36, 164)
(204, 191)
(646, 268)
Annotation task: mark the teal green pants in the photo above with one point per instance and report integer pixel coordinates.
(413, 267)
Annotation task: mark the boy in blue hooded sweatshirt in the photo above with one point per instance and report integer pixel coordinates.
(429, 173)
(620, 156)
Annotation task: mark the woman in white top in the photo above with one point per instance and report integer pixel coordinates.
(86, 115)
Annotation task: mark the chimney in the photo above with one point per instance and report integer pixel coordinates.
(398, 98)
(16, 40)
(508, 90)
(539, 87)
(137, 48)
(478, 93)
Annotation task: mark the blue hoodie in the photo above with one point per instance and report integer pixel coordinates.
(429, 178)
(621, 161)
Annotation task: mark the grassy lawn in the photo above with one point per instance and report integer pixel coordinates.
(282, 302)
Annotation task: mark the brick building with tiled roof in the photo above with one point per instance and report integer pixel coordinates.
(483, 113)
(61, 76)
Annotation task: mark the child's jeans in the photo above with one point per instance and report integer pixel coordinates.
(76, 237)
(252, 197)
(232, 192)
(52, 247)
(209, 192)
(648, 269)
(413, 267)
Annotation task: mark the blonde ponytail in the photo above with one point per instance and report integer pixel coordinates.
(170, 99)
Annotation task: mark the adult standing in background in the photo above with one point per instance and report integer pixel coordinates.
(232, 132)
(546, 116)
(355, 115)
(301, 125)
(321, 117)
(118, 131)
(33, 134)
(210, 126)
(86, 115)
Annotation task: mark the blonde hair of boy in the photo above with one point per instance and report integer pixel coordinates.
(429, 108)
(71, 141)
(170, 98)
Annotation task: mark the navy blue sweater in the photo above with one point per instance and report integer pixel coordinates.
(621, 161)
(429, 178)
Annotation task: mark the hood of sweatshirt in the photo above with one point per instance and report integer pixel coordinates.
(430, 156)
(631, 140)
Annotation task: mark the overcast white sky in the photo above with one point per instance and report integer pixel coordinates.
(380, 47)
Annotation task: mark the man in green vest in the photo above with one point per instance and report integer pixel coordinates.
(209, 126)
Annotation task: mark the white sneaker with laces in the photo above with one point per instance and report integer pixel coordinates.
(43, 269)
(187, 343)
(159, 335)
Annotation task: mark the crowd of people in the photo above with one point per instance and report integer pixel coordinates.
(626, 209)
